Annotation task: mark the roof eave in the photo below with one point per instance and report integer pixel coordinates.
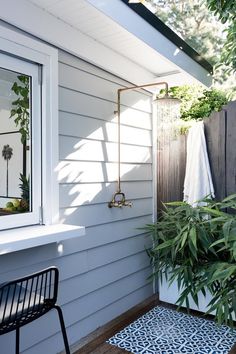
(194, 69)
(161, 27)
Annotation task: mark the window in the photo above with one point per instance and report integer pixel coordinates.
(28, 131)
(20, 141)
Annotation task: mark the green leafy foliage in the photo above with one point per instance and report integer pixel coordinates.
(193, 22)
(24, 186)
(211, 101)
(198, 103)
(199, 26)
(20, 110)
(225, 10)
(196, 246)
(188, 95)
(25, 193)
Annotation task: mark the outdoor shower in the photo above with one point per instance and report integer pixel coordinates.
(167, 108)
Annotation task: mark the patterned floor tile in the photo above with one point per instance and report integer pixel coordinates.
(165, 331)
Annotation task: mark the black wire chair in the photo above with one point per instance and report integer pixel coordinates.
(25, 299)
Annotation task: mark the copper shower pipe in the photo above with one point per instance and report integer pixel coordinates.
(118, 199)
(119, 112)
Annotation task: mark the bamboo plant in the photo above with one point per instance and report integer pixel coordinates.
(196, 247)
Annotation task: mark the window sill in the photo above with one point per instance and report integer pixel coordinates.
(33, 236)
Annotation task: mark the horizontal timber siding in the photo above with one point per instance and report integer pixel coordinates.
(104, 273)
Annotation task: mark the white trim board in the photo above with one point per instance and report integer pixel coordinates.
(34, 236)
(40, 23)
(24, 47)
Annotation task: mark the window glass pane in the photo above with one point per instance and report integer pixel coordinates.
(15, 143)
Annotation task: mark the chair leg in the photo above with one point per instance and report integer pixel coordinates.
(63, 329)
(18, 341)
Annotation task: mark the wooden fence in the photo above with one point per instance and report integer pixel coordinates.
(220, 132)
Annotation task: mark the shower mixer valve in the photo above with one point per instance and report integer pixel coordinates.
(118, 201)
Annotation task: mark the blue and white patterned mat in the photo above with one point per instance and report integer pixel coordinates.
(165, 331)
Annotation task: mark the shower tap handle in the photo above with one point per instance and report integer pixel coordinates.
(118, 201)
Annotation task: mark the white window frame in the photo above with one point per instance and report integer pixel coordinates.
(30, 70)
(24, 47)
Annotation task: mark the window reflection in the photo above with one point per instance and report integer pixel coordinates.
(15, 141)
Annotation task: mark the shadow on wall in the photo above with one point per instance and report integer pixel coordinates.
(88, 166)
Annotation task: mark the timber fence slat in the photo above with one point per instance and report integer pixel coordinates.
(220, 131)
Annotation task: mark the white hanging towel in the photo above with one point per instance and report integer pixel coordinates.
(198, 181)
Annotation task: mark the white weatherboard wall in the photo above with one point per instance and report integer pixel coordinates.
(104, 273)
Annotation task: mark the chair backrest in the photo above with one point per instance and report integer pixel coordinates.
(24, 299)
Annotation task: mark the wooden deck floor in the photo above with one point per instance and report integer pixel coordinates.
(233, 350)
(95, 343)
(107, 349)
(110, 349)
